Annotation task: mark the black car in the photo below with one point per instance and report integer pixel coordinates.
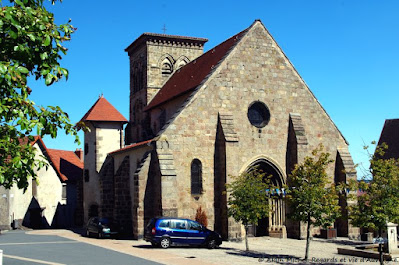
(164, 231)
(101, 227)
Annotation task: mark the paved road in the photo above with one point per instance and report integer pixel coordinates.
(20, 247)
(76, 249)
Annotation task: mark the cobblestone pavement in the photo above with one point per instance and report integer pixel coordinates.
(264, 250)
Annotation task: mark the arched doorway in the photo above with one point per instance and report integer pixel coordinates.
(274, 224)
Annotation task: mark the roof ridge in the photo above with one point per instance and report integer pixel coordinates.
(130, 146)
(60, 150)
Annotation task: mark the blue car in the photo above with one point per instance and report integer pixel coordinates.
(165, 231)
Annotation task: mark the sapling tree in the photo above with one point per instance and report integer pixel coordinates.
(311, 196)
(377, 193)
(248, 199)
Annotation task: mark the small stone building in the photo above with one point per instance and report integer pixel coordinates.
(196, 119)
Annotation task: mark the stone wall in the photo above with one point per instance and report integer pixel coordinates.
(107, 188)
(152, 201)
(91, 184)
(5, 217)
(102, 138)
(255, 70)
(149, 57)
(220, 198)
(122, 199)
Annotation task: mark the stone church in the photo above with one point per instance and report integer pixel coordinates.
(196, 119)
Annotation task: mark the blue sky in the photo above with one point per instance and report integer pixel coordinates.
(346, 51)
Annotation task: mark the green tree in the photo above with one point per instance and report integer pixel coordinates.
(312, 198)
(377, 194)
(248, 200)
(31, 44)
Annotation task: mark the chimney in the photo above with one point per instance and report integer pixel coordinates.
(79, 153)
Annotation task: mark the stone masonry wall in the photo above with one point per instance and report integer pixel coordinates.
(255, 70)
(107, 188)
(149, 57)
(123, 201)
(157, 51)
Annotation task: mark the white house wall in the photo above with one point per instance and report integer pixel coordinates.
(49, 190)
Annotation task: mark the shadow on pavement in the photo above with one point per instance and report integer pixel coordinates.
(77, 230)
(143, 246)
(82, 232)
(149, 246)
(347, 242)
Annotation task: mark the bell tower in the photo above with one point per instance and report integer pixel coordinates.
(153, 58)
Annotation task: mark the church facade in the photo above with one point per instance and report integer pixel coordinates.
(196, 119)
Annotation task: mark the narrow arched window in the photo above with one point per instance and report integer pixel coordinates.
(167, 67)
(196, 177)
(181, 64)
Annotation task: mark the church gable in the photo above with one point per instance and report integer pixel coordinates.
(254, 73)
(257, 69)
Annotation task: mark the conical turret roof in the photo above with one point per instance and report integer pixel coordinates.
(102, 110)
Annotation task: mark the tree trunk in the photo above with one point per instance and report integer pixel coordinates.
(246, 237)
(307, 239)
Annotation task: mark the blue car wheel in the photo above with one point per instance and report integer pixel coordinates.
(165, 242)
(212, 244)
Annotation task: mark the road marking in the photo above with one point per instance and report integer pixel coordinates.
(33, 243)
(32, 260)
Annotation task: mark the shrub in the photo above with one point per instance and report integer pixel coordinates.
(201, 217)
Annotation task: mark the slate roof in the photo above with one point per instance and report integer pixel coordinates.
(67, 163)
(390, 136)
(102, 110)
(194, 73)
(132, 146)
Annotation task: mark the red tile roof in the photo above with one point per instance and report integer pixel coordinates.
(193, 74)
(67, 163)
(390, 136)
(132, 146)
(45, 151)
(102, 110)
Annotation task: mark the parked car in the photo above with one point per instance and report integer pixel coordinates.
(165, 231)
(101, 227)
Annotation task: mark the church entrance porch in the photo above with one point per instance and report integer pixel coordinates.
(274, 224)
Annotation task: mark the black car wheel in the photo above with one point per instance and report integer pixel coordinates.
(165, 242)
(100, 235)
(87, 233)
(212, 244)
